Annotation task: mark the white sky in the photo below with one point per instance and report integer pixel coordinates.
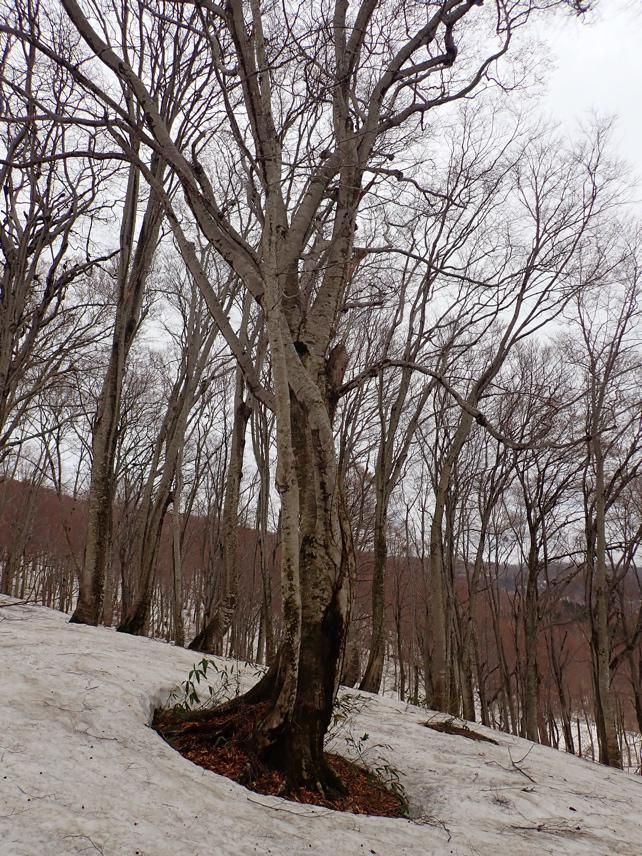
(597, 66)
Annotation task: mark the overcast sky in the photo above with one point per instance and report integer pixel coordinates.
(599, 67)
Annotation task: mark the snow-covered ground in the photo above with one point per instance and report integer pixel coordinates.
(81, 771)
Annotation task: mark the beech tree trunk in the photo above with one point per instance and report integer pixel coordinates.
(177, 554)
(531, 677)
(605, 709)
(261, 442)
(438, 621)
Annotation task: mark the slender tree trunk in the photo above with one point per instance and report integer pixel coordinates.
(440, 667)
(605, 712)
(132, 278)
(389, 467)
(158, 497)
(177, 554)
(468, 641)
(531, 677)
(555, 650)
(371, 680)
(219, 618)
(261, 442)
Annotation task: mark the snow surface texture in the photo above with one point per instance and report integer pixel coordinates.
(81, 771)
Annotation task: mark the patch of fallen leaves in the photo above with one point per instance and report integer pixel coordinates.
(220, 741)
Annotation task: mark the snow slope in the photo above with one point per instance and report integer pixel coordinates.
(81, 771)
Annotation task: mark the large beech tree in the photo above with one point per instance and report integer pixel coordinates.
(308, 104)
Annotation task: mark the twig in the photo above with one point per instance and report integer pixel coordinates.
(518, 768)
(429, 820)
(289, 810)
(96, 847)
(559, 829)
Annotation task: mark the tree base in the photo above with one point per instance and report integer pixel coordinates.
(133, 624)
(223, 740)
(83, 617)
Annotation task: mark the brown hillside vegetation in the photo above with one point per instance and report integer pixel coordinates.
(41, 543)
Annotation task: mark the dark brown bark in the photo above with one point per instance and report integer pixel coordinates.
(531, 623)
(298, 749)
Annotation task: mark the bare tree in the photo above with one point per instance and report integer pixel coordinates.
(221, 612)
(307, 112)
(52, 197)
(198, 336)
(559, 201)
(542, 404)
(608, 359)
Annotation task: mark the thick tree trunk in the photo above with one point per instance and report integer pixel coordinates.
(295, 744)
(298, 749)
(99, 507)
(303, 681)
(136, 621)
